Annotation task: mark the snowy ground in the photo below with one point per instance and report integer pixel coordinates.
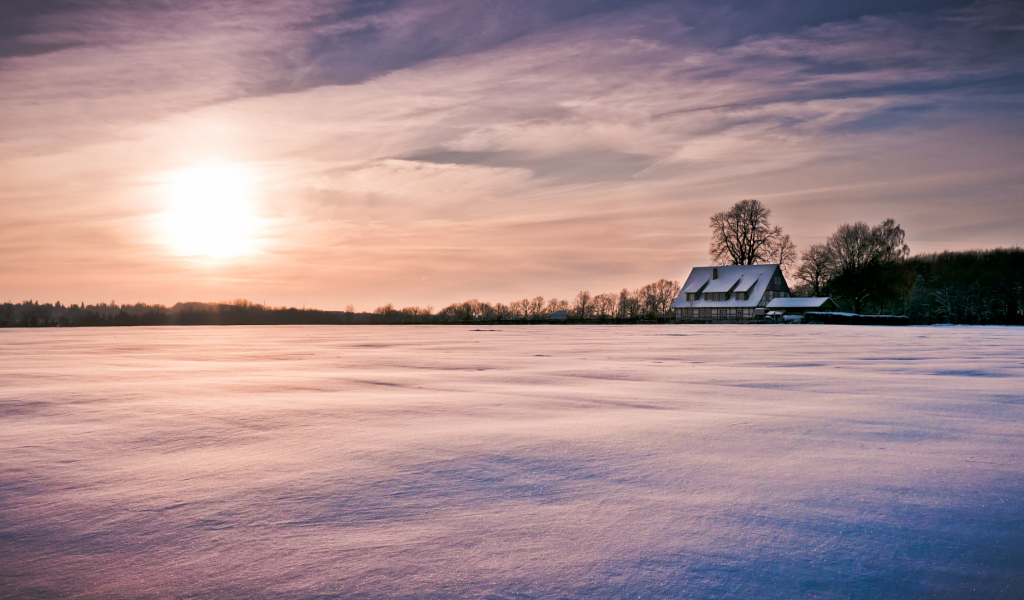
(548, 461)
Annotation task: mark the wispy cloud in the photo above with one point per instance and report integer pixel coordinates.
(580, 146)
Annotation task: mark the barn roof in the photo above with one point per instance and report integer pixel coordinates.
(799, 303)
(753, 279)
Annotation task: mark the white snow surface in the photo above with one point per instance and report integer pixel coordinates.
(671, 461)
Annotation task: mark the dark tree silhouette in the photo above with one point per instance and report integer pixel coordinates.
(815, 269)
(744, 235)
(864, 262)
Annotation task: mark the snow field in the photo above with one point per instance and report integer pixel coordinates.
(518, 461)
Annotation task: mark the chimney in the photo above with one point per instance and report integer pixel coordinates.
(714, 273)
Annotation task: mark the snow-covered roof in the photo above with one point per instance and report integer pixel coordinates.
(798, 303)
(745, 284)
(723, 284)
(753, 279)
(696, 285)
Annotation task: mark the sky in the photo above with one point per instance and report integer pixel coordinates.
(331, 153)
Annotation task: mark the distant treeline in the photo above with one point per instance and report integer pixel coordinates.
(239, 312)
(649, 303)
(974, 287)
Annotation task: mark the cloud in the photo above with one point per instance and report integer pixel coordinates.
(574, 146)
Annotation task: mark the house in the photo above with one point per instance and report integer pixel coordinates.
(559, 315)
(790, 308)
(732, 294)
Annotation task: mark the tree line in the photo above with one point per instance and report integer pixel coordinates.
(651, 302)
(868, 269)
(239, 312)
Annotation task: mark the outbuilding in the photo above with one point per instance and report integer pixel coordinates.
(788, 308)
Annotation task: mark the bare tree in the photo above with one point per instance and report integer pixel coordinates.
(502, 312)
(783, 253)
(863, 259)
(629, 305)
(744, 235)
(520, 309)
(816, 268)
(537, 307)
(663, 292)
(556, 304)
(485, 312)
(582, 307)
(604, 305)
(889, 242)
(469, 310)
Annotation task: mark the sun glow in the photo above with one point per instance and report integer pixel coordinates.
(211, 212)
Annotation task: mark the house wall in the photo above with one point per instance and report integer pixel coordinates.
(714, 314)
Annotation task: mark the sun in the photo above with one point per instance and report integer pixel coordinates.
(210, 212)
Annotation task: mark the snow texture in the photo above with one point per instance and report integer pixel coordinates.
(672, 461)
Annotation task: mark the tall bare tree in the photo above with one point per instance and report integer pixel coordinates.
(816, 268)
(783, 253)
(863, 260)
(627, 308)
(744, 235)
